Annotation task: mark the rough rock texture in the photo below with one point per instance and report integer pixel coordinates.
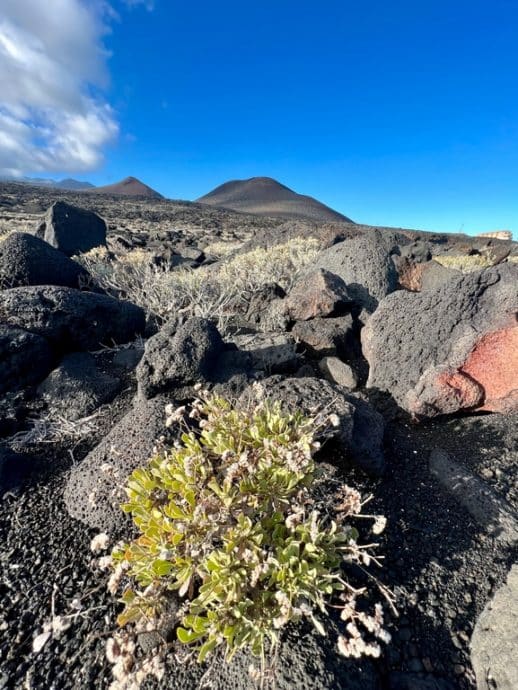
(321, 337)
(361, 428)
(338, 372)
(27, 260)
(76, 388)
(263, 311)
(365, 264)
(70, 229)
(495, 639)
(178, 356)
(70, 319)
(318, 293)
(94, 490)
(25, 358)
(273, 353)
(449, 349)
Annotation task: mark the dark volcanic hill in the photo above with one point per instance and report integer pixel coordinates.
(266, 197)
(130, 186)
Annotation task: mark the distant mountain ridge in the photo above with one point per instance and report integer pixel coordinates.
(67, 183)
(265, 196)
(129, 186)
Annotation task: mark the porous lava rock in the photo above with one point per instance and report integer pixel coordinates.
(360, 427)
(27, 260)
(449, 349)
(70, 319)
(365, 264)
(318, 293)
(77, 387)
(25, 358)
(95, 487)
(495, 639)
(273, 353)
(338, 372)
(327, 337)
(179, 355)
(70, 229)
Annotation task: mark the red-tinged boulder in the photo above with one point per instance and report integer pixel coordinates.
(449, 349)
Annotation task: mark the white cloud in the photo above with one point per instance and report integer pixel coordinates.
(52, 70)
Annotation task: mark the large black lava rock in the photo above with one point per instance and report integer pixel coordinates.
(70, 229)
(28, 260)
(25, 358)
(70, 319)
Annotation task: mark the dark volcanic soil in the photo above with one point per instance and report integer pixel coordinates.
(440, 563)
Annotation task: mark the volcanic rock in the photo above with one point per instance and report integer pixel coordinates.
(28, 260)
(360, 428)
(449, 349)
(71, 320)
(70, 229)
(25, 358)
(495, 639)
(76, 388)
(273, 353)
(318, 293)
(94, 490)
(364, 263)
(327, 337)
(338, 372)
(178, 356)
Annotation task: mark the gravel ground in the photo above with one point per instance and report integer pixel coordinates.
(440, 563)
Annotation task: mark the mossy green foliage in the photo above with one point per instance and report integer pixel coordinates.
(227, 519)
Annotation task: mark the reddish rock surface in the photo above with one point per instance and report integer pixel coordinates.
(493, 363)
(319, 293)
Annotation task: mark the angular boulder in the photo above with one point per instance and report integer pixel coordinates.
(449, 349)
(77, 387)
(28, 260)
(365, 264)
(69, 319)
(360, 427)
(272, 353)
(95, 487)
(178, 356)
(70, 229)
(319, 293)
(25, 358)
(327, 337)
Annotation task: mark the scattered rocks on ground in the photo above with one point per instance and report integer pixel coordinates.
(448, 349)
(76, 387)
(27, 260)
(178, 356)
(70, 319)
(70, 229)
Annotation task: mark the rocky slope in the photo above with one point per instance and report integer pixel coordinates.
(395, 343)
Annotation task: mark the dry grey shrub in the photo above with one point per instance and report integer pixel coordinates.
(209, 292)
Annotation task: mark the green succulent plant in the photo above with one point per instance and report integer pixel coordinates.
(227, 519)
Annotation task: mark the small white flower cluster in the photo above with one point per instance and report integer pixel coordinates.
(356, 646)
(100, 542)
(116, 577)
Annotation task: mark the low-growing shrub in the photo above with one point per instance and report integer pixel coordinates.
(465, 264)
(229, 519)
(208, 292)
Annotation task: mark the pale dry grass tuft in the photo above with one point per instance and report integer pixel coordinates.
(465, 264)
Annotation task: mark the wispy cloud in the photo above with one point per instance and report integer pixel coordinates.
(53, 116)
(148, 4)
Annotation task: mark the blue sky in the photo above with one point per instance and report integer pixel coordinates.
(401, 113)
